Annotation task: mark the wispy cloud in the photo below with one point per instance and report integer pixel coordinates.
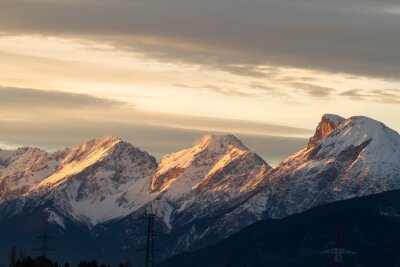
(225, 91)
(387, 96)
(17, 98)
(316, 91)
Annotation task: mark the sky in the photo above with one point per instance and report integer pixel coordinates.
(162, 73)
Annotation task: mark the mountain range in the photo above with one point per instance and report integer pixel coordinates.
(95, 194)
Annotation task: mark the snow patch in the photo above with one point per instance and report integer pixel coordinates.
(53, 217)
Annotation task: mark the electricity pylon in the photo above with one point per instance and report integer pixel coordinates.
(150, 248)
(338, 252)
(44, 248)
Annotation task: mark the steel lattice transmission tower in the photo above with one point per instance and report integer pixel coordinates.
(44, 248)
(150, 248)
(338, 252)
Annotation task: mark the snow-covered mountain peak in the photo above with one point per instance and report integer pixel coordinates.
(77, 159)
(360, 130)
(101, 143)
(218, 142)
(112, 183)
(335, 135)
(183, 171)
(103, 179)
(95, 148)
(23, 151)
(344, 159)
(333, 118)
(328, 123)
(368, 124)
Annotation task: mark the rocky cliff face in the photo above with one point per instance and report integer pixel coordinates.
(329, 122)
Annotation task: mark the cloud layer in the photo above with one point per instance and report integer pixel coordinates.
(50, 119)
(356, 37)
(31, 99)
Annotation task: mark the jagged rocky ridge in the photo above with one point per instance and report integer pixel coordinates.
(203, 193)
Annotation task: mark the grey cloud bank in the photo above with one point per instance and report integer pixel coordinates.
(355, 37)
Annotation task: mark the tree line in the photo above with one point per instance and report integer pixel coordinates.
(27, 261)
